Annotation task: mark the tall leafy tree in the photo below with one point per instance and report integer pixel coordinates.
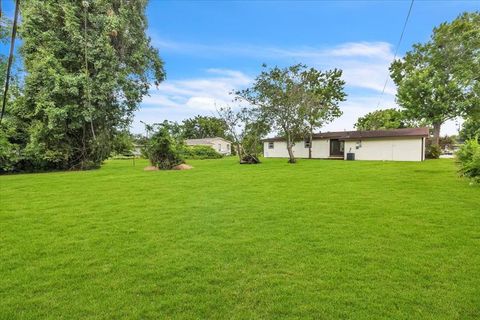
(88, 64)
(384, 119)
(460, 43)
(438, 80)
(322, 93)
(204, 127)
(278, 93)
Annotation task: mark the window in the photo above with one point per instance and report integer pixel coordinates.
(219, 147)
(307, 143)
(228, 147)
(270, 145)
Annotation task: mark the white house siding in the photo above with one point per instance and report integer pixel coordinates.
(320, 149)
(221, 146)
(388, 149)
(218, 144)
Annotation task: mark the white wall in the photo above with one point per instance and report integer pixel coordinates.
(221, 146)
(320, 149)
(387, 149)
(391, 149)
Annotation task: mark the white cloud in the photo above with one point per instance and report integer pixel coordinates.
(376, 50)
(365, 64)
(179, 99)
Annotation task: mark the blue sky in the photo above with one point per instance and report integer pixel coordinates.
(213, 47)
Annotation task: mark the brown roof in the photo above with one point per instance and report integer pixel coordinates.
(356, 135)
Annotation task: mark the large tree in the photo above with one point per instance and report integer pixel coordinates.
(322, 93)
(278, 93)
(204, 127)
(438, 80)
(88, 64)
(384, 119)
(460, 43)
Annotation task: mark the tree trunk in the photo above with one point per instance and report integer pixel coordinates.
(239, 152)
(290, 151)
(436, 133)
(310, 144)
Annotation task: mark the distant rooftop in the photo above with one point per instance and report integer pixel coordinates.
(204, 141)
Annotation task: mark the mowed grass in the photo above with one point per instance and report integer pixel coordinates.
(315, 240)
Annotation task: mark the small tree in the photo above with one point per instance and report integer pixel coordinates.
(278, 95)
(322, 93)
(245, 127)
(163, 150)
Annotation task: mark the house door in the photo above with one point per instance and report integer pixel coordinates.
(336, 148)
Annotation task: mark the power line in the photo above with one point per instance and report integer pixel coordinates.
(396, 50)
(10, 58)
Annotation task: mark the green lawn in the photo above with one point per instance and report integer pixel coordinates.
(319, 239)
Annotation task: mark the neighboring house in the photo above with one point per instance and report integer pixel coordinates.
(137, 150)
(391, 145)
(220, 145)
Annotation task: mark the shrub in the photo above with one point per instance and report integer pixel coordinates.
(469, 159)
(9, 154)
(432, 151)
(201, 152)
(163, 150)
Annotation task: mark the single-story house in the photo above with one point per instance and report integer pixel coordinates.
(220, 145)
(390, 145)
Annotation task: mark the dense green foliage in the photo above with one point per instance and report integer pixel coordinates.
(9, 153)
(432, 151)
(355, 240)
(435, 79)
(460, 46)
(201, 127)
(470, 129)
(384, 119)
(88, 64)
(200, 153)
(163, 150)
(469, 159)
(122, 144)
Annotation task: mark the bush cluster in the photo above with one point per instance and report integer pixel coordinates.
(200, 152)
(432, 151)
(163, 150)
(469, 160)
(9, 154)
